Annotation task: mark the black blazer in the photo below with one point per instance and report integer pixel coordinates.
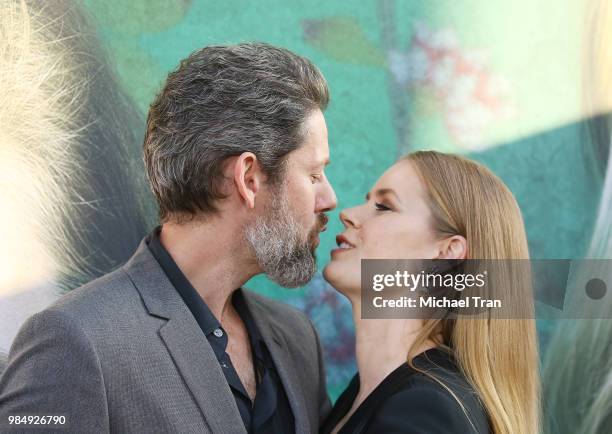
(409, 402)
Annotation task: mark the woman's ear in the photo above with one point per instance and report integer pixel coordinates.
(454, 247)
(247, 177)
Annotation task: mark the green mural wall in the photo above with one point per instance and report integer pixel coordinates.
(499, 81)
(519, 85)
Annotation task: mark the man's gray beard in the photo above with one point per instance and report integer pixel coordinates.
(277, 241)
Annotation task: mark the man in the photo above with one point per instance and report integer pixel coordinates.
(235, 151)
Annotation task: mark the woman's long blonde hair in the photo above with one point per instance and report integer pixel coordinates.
(498, 356)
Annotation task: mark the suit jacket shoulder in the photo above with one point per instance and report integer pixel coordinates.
(109, 310)
(104, 295)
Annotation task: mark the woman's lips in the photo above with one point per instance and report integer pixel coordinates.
(343, 245)
(338, 251)
(341, 240)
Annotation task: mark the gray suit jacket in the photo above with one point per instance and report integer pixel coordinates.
(124, 354)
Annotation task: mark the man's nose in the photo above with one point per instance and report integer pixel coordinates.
(327, 199)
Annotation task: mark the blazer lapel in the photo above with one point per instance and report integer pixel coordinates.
(200, 369)
(285, 366)
(191, 352)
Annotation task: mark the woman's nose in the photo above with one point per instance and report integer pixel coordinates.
(348, 217)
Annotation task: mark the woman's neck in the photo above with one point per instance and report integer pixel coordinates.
(382, 345)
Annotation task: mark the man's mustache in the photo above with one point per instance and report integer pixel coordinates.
(322, 220)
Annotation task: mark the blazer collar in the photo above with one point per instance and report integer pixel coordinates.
(286, 366)
(191, 352)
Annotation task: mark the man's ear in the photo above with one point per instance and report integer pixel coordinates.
(247, 177)
(454, 247)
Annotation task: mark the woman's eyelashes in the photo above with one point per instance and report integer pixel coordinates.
(381, 207)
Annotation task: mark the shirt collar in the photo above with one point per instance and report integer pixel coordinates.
(200, 310)
(202, 313)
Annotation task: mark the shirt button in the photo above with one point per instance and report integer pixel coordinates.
(218, 333)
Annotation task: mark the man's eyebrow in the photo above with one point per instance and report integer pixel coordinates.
(319, 163)
(382, 192)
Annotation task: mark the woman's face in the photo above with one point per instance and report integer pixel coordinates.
(394, 223)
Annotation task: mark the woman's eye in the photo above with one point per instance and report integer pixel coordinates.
(381, 207)
(315, 178)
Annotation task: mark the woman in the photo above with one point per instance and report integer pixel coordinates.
(436, 375)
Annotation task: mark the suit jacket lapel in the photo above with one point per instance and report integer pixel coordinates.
(285, 365)
(191, 352)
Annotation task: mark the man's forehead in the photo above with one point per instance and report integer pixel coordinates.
(314, 148)
(314, 151)
(319, 155)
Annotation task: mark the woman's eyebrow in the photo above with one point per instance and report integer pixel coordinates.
(382, 192)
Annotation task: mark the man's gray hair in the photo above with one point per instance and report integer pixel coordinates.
(220, 102)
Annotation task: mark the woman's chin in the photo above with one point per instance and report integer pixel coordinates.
(328, 273)
(338, 277)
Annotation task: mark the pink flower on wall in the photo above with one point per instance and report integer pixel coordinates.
(468, 93)
(465, 91)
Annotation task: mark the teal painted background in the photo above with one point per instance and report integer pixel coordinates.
(404, 75)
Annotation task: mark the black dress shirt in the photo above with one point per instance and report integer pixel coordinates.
(270, 412)
(409, 402)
